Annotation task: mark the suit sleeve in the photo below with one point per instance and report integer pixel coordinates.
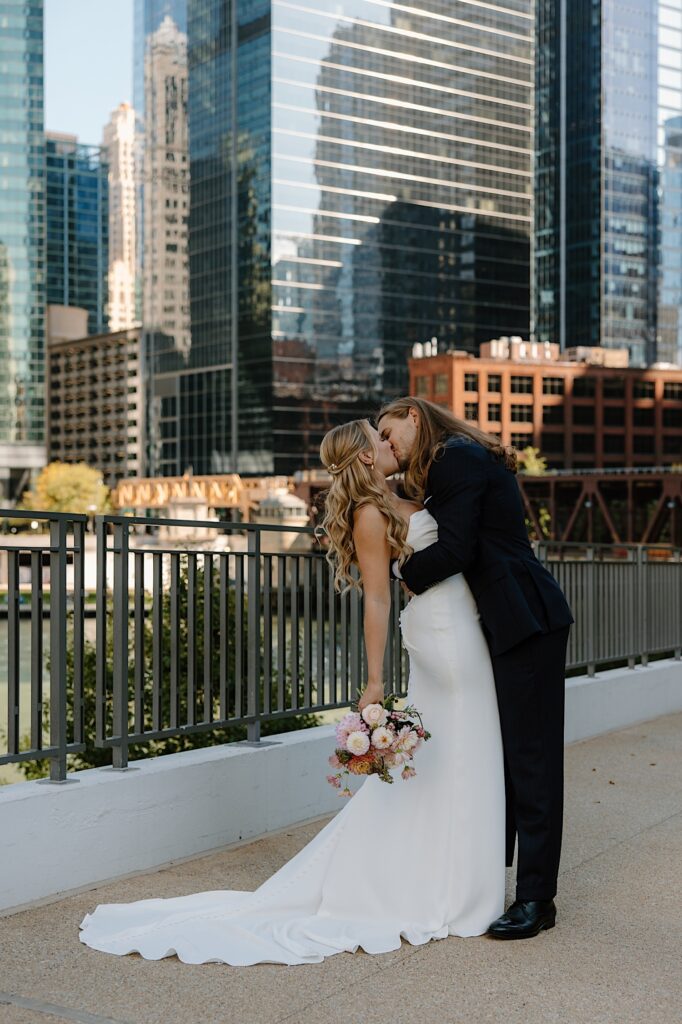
(457, 481)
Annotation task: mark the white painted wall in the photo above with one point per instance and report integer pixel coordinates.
(58, 838)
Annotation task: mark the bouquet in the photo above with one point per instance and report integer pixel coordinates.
(376, 739)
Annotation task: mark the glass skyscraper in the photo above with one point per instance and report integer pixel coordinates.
(608, 238)
(22, 245)
(77, 205)
(359, 180)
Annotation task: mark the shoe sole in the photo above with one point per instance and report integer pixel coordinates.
(517, 935)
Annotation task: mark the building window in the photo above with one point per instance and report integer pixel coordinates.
(672, 444)
(422, 386)
(643, 444)
(521, 440)
(494, 382)
(644, 417)
(584, 387)
(583, 415)
(553, 414)
(522, 385)
(583, 444)
(494, 412)
(614, 416)
(672, 390)
(522, 413)
(471, 382)
(614, 444)
(552, 385)
(440, 384)
(643, 389)
(614, 387)
(471, 410)
(552, 444)
(672, 417)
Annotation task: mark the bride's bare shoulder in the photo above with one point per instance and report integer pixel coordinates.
(368, 520)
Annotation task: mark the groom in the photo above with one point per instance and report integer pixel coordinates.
(466, 480)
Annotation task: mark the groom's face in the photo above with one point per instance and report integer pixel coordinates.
(401, 435)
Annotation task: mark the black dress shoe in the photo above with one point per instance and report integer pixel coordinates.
(524, 919)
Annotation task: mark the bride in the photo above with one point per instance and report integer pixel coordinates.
(420, 859)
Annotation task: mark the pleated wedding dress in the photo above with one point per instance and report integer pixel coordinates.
(420, 859)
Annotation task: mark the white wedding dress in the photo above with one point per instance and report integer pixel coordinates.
(420, 859)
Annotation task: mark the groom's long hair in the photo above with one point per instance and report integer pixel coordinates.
(436, 425)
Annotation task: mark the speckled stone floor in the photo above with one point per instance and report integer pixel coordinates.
(614, 957)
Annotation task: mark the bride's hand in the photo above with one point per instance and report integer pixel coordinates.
(372, 694)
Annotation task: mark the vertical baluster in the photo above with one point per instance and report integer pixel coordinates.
(37, 650)
(58, 738)
(223, 633)
(253, 636)
(331, 598)
(139, 643)
(295, 646)
(208, 638)
(13, 667)
(345, 689)
(174, 638)
(157, 640)
(281, 632)
(267, 634)
(320, 688)
(121, 609)
(307, 631)
(238, 634)
(191, 638)
(78, 630)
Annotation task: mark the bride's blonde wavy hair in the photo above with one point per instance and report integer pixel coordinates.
(353, 485)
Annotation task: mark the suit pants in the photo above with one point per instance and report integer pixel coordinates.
(530, 684)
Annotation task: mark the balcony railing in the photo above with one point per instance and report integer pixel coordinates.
(197, 635)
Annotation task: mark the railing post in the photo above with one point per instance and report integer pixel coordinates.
(58, 739)
(253, 637)
(101, 632)
(591, 613)
(643, 594)
(120, 687)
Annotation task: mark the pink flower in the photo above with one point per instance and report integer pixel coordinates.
(408, 772)
(334, 761)
(333, 781)
(357, 742)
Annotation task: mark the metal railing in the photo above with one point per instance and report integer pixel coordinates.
(199, 637)
(39, 572)
(237, 637)
(626, 600)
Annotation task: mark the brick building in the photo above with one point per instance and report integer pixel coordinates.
(579, 414)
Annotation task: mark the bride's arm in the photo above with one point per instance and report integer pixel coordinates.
(373, 554)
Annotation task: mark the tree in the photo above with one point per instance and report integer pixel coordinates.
(532, 462)
(68, 487)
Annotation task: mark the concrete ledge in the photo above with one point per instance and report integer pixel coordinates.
(56, 839)
(621, 697)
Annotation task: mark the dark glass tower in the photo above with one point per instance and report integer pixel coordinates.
(77, 227)
(22, 245)
(608, 209)
(360, 180)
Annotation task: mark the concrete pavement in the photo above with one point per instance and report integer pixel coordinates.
(614, 958)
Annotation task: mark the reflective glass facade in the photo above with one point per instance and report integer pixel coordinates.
(360, 180)
(77, 207)
(22, 241)
(608, 244)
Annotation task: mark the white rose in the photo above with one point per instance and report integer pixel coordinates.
(358, 743)
(382, 738)
(375, 714)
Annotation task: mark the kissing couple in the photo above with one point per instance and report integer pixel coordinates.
(486, 629)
